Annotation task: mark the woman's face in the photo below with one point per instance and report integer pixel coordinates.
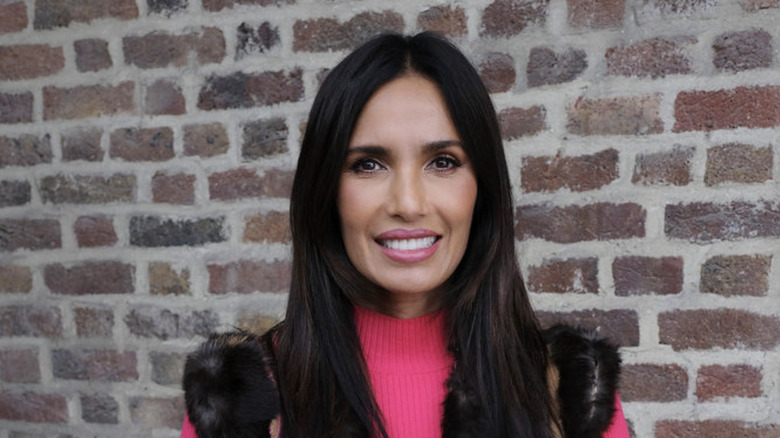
(407, 191)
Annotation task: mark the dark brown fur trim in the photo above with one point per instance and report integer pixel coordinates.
(228, 388)
(589, 369)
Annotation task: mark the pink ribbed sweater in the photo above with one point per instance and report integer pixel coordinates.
(409, 364)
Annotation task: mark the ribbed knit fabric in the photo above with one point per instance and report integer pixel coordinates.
(408, 364)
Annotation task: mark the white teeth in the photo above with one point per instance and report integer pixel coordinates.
(409, 244)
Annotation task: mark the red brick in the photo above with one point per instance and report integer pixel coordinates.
(88, 101)
(718, 328)
(94, 231)
(161, 49)
(241, 90)
(506, 18)
(155, 323)
(105, 365)
(638, 115)
(16, 108)
(90, 278)
(82, 144)
(743, 50)
(714, 381)
(99, 408)
(737, 275)
(325, 34)
(596, 14)
(738, 163)
(33, 407)
(15, 279)
(164, 97)
(264, 138)
(497, 71)
(25, 150)
(757, 5)
(706, 222)
(647, 275)
(33, 234)
(15, 193)
(155, 231)
(206, 140)
(444, 20)
(28, 61)
(20, 366)
(93, 322)
(164, 279)
(273, 227)
(173, 189)
(545, 67)
(245, 183)
(13, 17)
(653, 383)
(522, 122)
(741, 107)
(714, 429)
(578, 174)
(87, 189)
(575, 223)
(30, 321)
(218, 5)
(255, 39)
(619, 326)
(92, 55)
(142, 144)
(657, 58)
(248, 276)
(671, 167)
(157, 412)
(565, 276)
(61, 13)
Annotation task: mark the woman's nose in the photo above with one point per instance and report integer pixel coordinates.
(407, 197)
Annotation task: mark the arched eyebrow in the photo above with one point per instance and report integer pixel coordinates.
(381, 151)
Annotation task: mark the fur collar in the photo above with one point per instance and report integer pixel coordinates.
(230, 391)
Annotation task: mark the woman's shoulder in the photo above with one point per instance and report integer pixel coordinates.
(584, 374)
(226, 374)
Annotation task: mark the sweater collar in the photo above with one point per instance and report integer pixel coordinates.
(399, 346)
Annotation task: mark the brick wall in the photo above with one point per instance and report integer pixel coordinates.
(147, 150)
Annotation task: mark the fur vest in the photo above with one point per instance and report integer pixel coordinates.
(230, 389)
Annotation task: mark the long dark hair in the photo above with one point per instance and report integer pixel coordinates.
(493, 332)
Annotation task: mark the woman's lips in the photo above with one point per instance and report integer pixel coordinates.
(408, 246)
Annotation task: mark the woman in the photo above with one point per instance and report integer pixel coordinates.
(407, 315)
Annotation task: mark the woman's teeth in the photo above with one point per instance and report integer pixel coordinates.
(409, 244)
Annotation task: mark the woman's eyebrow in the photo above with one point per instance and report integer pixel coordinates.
(368, 150)
(441, 144)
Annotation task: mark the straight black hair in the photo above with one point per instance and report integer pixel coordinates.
(492, 330)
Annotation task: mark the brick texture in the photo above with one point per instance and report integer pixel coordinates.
(724, 328)
(748, 107)
(148, 149)
(714, 381)
(546, 67)
(563, 276)
(578, 174)
(736, 275)
(653, 383)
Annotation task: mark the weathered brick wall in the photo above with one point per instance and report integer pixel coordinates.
(147, 150)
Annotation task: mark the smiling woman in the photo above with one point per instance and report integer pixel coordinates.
(407, 315)
(406, 197)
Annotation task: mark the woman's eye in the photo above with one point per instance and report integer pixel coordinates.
(365, 165)
(445, 163)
